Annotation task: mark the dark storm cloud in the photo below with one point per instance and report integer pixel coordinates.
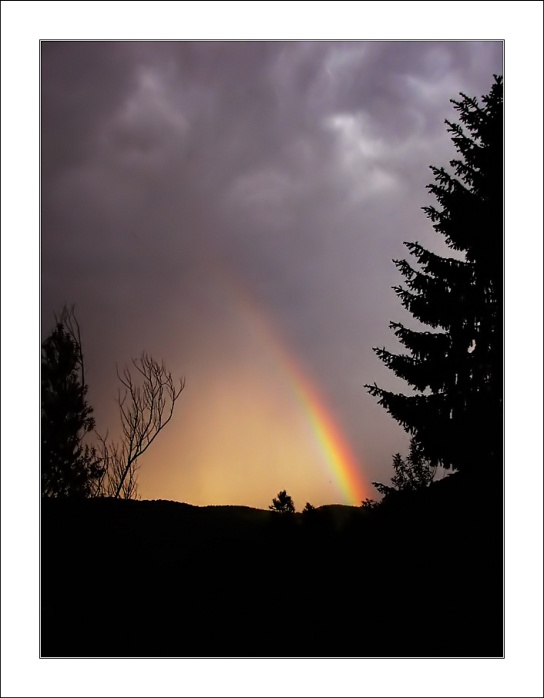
(82, 83)
(300, 166)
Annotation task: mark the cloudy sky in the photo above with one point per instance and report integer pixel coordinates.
(234, 208)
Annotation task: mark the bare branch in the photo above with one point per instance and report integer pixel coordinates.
(145, 409)
(146, 403)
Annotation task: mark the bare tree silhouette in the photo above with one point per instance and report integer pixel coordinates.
(146, 404)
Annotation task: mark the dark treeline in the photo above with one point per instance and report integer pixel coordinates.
(420, 576)
(419, 573)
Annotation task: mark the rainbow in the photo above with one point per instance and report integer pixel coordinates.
(341, 461)
(338, 454)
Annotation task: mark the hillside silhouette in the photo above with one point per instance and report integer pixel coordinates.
(420, 575)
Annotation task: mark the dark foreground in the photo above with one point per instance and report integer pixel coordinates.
(422, 576)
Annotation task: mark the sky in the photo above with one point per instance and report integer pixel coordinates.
(233, 208)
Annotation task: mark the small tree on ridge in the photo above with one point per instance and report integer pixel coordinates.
(283, 504)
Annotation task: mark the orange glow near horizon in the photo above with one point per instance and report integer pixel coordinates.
(251, 425)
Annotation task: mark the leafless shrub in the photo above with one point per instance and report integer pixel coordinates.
(146, 402)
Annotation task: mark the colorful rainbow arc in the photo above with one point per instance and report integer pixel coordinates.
(338, 455)
(341, 461)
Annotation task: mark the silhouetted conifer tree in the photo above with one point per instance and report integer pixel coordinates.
(68, 467)
(283, 504)
(456, 370)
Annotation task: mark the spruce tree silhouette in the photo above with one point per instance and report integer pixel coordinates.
(456, 370)
(69, 468)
